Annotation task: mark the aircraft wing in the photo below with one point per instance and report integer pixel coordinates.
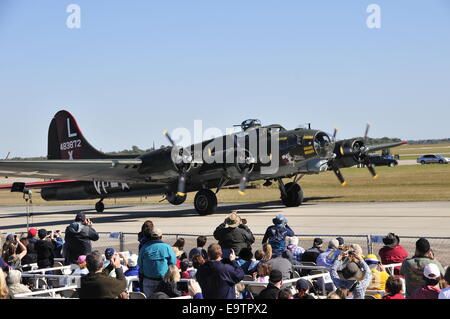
(374, 148)
(109, 170)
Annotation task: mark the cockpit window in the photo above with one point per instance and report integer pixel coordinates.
(323, 144)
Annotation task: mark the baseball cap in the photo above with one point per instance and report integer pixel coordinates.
(302, 284)
(156, 233)
(109, 252)
(80, 217)
(81, 259)
(431, 271)
(371, 259)
(32, 232)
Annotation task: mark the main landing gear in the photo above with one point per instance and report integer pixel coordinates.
(291, 193)
(205, 202)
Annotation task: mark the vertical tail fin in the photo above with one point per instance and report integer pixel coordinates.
(66, 142)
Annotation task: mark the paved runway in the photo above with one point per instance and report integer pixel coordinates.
(405, 219)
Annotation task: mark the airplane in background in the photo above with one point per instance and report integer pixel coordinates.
(75, 170)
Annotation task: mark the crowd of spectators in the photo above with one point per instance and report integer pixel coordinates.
(217, 270)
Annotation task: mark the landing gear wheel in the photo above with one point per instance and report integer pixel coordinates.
(175, 199)
(205, 202)
(99, 207)
(294, 195)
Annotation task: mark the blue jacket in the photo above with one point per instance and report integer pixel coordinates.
(133, 271)
(154, 259)
(327, 258)
(276, 236)
(218, 279)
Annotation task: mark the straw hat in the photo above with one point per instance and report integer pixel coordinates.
(233, 220)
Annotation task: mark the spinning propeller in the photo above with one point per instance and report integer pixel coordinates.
(245, 163)
(357, 151)
(183, 165)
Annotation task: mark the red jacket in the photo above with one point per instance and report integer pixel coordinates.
(393, 255)
(426, 292)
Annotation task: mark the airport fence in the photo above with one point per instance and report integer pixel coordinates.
(122, 241)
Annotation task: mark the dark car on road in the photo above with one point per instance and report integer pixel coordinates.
(380, 160)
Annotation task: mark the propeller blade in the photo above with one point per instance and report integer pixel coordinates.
(182, 183)
(335, 133)
(243, 182)
(372, 171)
(366, 134)
(166, 133)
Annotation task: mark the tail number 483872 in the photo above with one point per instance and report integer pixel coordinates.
(70, 145)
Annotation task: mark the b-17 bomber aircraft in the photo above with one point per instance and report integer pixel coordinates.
(75, 170)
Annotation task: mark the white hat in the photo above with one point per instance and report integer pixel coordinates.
(132, 260)
(431, 271)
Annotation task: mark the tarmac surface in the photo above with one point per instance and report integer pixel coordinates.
(404, 219)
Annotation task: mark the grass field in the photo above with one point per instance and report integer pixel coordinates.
(412, 151)
(401, 183)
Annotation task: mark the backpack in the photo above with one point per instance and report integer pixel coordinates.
(277, 238)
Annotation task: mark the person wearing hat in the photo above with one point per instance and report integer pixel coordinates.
(274, 287)
(233, 234)
(430, 290)
(311, 254)
(303, 287)
(133, 270)
(350, 271)
(78, 237)
(30, 242)
(327, 258)
(82, 269)
(296, 250)
(379, 275)
(155, 257)
(45, 249)
(392, 252)
(276, 234)
(412, 268)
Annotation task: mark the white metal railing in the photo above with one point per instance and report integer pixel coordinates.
(52, 292)
(44, 270)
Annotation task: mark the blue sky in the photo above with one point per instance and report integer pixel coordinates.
(135, 68)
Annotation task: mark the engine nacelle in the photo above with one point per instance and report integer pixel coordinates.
(347, 152)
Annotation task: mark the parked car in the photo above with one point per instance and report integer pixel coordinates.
(379, 160)
(432, 158)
